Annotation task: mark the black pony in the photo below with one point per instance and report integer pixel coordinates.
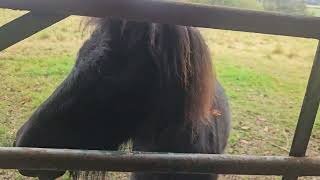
(151, 83)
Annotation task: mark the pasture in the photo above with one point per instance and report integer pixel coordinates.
(264, 76)
(313, 10)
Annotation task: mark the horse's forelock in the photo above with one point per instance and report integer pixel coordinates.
(201, 91)
(181, 57)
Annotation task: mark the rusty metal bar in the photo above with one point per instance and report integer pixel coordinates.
(58, 159)
(179, 13)
(308, 113)
(24, 27)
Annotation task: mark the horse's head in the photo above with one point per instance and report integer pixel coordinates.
(123, 73)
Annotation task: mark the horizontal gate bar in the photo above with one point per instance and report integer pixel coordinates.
(162, 11)
(59, 159)
(25, 26)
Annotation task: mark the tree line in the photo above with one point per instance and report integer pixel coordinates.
(297, 7)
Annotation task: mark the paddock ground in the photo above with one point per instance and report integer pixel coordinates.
(265, 78)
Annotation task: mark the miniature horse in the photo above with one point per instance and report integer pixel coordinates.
(151, 83)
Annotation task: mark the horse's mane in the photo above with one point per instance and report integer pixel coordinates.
(181, 58)
(183, 63)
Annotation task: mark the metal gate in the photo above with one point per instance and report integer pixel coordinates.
(44, 13)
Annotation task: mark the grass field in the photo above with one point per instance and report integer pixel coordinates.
(264, 76)
(313, 10)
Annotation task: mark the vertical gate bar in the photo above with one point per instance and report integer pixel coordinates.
(25, 26)
(307, 115)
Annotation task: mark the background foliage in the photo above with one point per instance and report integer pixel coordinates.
(297, 7)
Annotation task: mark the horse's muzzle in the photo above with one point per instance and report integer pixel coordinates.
(42, 175)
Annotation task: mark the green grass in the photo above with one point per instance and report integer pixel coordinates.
(313, 10)
(264, 76)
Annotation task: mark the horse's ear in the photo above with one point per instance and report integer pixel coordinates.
(114, 27)
(124, 35)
